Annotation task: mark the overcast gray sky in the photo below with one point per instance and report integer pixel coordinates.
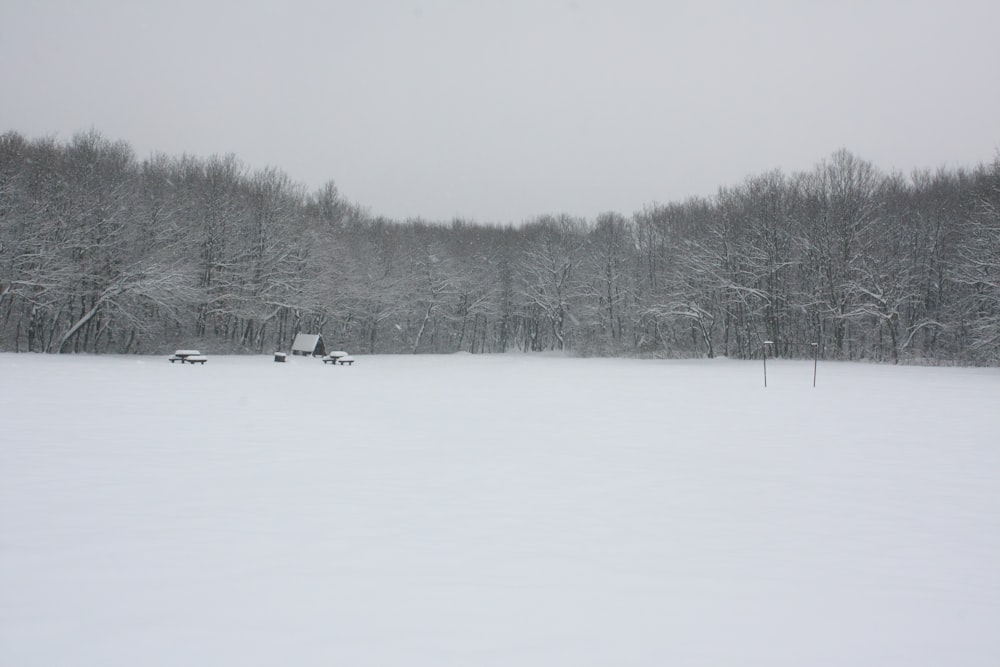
(501, 111)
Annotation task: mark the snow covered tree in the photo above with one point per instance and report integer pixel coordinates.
(551, 289)
(843, 202)
(979, 268)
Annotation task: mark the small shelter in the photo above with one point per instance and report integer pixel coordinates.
(308, 345)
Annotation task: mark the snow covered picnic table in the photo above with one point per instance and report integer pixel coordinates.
(188, 356)
(338, 357)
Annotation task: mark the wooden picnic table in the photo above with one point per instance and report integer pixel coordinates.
(338, 357)
(188, 357)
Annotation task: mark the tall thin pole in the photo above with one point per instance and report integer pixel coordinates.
(815, 347)
(764, 348)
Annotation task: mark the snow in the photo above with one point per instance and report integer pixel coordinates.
(497, 510)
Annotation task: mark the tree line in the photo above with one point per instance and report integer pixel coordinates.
(102, 252)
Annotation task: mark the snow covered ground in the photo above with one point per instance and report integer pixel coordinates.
(497, 510)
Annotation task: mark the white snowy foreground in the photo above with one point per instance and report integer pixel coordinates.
(497, 510)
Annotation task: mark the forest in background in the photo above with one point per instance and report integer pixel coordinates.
(103, 253)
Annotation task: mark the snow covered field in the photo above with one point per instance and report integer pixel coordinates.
(497, 510)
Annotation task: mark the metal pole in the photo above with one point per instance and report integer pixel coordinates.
(815, 347)
(764, 348)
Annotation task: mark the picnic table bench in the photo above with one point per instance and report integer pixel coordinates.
(188, 357)
(338, 357)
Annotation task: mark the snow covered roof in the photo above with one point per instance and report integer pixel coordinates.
(305, 342)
